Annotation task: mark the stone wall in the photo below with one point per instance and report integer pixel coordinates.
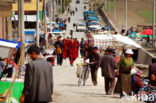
(105, 18)
(144, 57)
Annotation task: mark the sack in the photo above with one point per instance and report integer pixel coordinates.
(58, 50)
(79, 69)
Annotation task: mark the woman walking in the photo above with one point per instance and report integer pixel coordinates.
(125, 65)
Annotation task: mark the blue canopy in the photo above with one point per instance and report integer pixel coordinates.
(9, 44)
(90, 18)
(89, 12)
(60, 24)
(56, 30)
(29, 32)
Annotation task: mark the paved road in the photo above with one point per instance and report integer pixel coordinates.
(66, 89)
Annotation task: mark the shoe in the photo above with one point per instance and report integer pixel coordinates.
(71, 64)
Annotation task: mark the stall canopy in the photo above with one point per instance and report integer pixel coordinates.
(126, 40)
(6, 47)
(107, 40)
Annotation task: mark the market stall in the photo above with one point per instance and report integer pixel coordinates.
(10, 88)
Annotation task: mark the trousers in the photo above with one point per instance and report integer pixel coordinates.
(109, 85)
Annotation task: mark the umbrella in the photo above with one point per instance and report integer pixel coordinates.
(147, 32)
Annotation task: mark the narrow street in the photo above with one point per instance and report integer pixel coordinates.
(66, 89)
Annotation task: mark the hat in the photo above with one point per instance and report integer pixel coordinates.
(111, 50)
(129, 51)
(95, 48)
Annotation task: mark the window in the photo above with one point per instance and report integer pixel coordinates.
(27, 0)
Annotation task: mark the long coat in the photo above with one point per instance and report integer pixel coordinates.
(65, 49)
(77, 44)
(38, 83)
(72, 54)
(108, 66)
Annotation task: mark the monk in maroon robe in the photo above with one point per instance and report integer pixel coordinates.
(72, 55)
(68, 42)
(77, 44)
(65, 49)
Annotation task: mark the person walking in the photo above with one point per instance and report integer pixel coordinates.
(94, 59)
(73, 12)
(68, 19)
(125, 65)
(71, 33)
(38, 83)
(82, 47)
(71, 49)
(59, 50)
(108, 66)
(76, 9)
(77, 44)
(65, 49)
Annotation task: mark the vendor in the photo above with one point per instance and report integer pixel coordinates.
(137, 82)
(152, 73)
(9, 69)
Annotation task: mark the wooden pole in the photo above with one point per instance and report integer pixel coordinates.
(18, 65)
(45, 26)
(37, 23)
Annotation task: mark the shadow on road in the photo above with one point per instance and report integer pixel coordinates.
(98, 95)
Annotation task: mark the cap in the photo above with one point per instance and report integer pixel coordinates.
(111, 50)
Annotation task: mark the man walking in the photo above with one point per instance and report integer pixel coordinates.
(82, 47)
(59, 50)
(38, 83)
(71, 33)
(108, 66)
(94, 59)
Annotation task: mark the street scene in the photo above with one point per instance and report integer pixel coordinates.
(77, 51)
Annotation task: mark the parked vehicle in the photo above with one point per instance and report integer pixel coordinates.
(81, 27)
(77, 1)
(92, 23)
(85, 2)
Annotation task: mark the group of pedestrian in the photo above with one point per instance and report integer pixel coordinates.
(109, 67)
(66, 48)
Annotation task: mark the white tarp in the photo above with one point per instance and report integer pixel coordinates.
(6, 47)
(107, 40)
(126, 40)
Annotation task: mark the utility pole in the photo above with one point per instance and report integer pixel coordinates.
(115, 11)
(64, 5)
(61, 6)
(125, 16)
(51, 2)
(105, 4)
(54, 6)
(109, 5)
(19, 30)
(21, 27)
(45, 26)
(37, 23)
(94, 5)
(153, 31)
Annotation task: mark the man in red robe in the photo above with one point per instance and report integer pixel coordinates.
(65, 42)
(72, 55)
(77, 44)
(68, 42)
